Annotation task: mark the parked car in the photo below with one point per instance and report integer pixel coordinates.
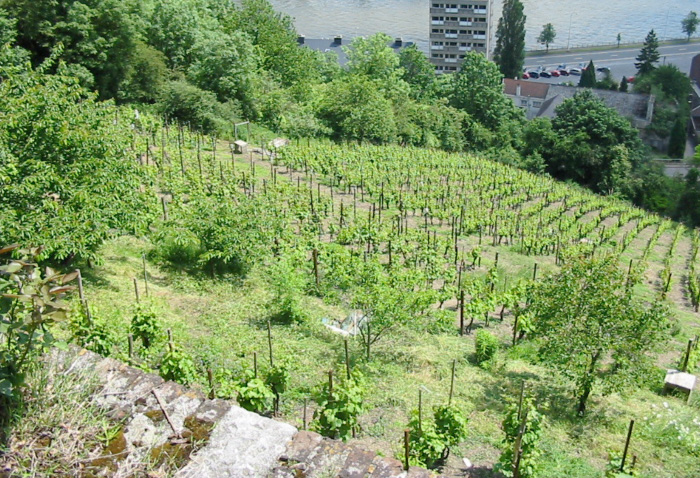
(554, 73)
(630, 79)
(603, 69)
(575, 71)
(545, 74)
(526, 76)
(563, 72)
(533, 74)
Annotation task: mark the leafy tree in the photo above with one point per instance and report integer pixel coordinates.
(665, 82)
(372, 57)
(649, 55)
(588, 79)
(387, 300)
(688, 208)
(63, 163)
(200, 109)
(592, 144)
(355, 108)
(477, 89)
(97, 35)
(227, 66)
(690, 24)
(592, 328)
(176, 28)
(676, 144)
(547, 35)
(10, 54)
(509, 53)
(147, 74)
(417, 72)
(274, 36)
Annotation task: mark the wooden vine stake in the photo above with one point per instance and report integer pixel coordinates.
(255, 364)
(171, 346)
(131, 346)
(304, 416)
(347, 359)
(627, 445)
(420, 410)
(461, 312)
(452, 382)
(136, 289)
(407, 447)
(269, 342)
(145, 274)
(687, 356)
(210, 378)
(314, 255)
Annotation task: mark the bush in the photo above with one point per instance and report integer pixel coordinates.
(178, 366)
(486, 346)
(145, 325)
(198, 108)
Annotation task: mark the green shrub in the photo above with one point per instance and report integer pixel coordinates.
(486, 346)
(338, 409)
(31, 301)
(253, 394)
(431, 440)
(145, 325)
(91, 332)
(178, 366)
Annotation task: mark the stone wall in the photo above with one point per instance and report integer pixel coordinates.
(216, 438)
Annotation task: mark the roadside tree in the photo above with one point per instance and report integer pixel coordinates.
(588, 79)
(592, 328)
(649, 55)
(547, 35)
(509, 53)
(690, 24)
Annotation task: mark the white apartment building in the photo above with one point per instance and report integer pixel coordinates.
(455, 29)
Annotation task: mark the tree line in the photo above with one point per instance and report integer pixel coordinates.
(211, 63)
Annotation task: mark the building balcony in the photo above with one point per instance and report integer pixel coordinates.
(465, 48)
(452, 10)
(451, 35)
(437, 22)
(479, 37)
(437, 47)
(450, 60)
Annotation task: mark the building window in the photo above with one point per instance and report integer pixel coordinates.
(536, 104)
(438, 18)
(437, 30)
(438, 43)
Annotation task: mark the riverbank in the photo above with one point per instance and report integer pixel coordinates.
(607, 47)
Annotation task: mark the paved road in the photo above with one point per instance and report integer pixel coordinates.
(620, 61)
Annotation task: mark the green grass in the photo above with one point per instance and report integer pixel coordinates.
(222, 323)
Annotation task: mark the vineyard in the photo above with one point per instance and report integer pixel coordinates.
(251, 256)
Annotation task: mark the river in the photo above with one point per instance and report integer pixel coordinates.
(577, 22)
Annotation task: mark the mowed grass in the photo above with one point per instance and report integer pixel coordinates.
(222, 322)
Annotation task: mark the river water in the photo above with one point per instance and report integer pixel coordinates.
(577, 22)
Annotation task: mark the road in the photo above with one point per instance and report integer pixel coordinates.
(619, 60)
